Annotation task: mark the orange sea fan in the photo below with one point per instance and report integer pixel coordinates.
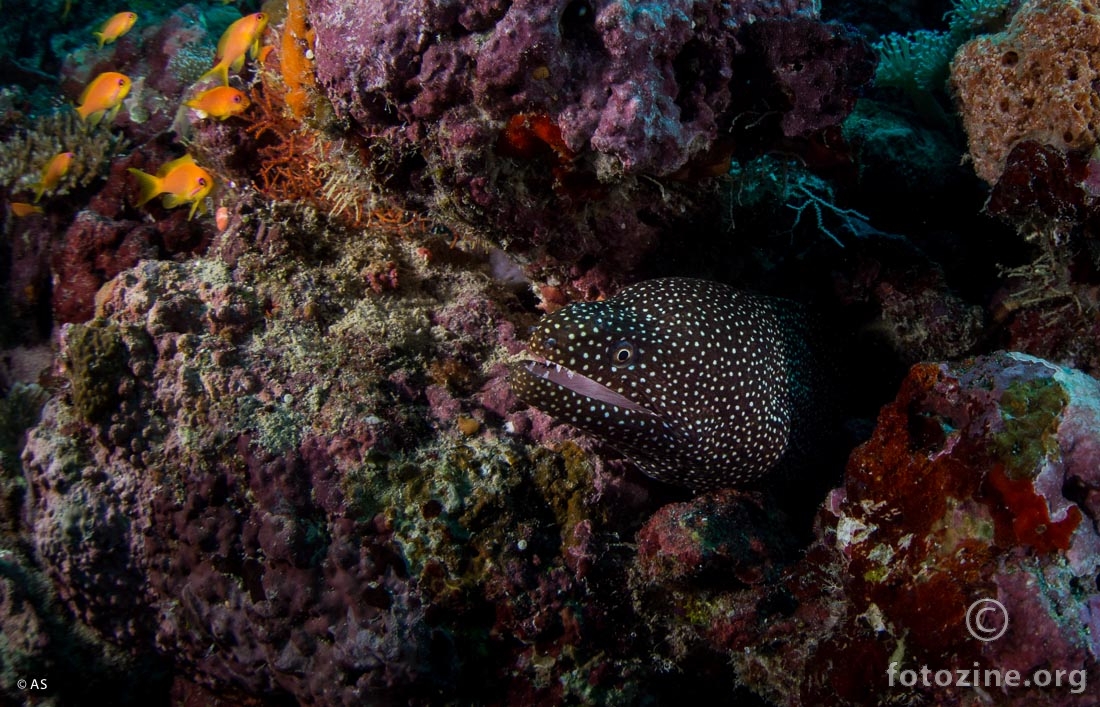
(288, 151)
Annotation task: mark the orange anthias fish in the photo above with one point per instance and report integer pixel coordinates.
(219, 102)
(22, 209)
(115, 27)
(103, 96)
(243, 36)
(52, 173)
(181, 181)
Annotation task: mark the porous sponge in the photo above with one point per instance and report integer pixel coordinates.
(1034, 81)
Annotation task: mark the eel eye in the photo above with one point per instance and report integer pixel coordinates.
(622, 354)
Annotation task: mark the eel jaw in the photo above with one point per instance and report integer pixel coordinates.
(581, 385)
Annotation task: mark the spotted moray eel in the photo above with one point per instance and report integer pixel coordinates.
(697, 383)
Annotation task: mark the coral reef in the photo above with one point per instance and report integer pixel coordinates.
(980, 481)
(19, 411)
(241, 546)
(270, 455)
(728, 538)
(59, 261)
(895, 156)
(284, 532)
(41, 647)
(920, 316)
(96, 247)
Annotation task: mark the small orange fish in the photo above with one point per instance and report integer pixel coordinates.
(181, 181)
(22, 209)
(241, 37)
(103, 96)
(52, 173)
(115, 27)
(219, 102)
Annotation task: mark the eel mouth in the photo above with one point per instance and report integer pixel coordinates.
(580, 384)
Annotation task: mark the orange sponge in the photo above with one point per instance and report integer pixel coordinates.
(1034, 81)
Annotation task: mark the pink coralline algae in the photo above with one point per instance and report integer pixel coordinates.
(579, 127)
(725, 537)
(96, 248)
(641, 84)
(980, 482)
(157, 538)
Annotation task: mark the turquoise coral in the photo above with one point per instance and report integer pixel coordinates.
(919, 60)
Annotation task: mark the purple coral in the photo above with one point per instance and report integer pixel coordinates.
(811, 68)
(644, 85)
(576, 129)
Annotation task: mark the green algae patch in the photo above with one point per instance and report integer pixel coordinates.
(20, 409)
(96, 359)
(449, 506)
(277, 425)
(564, 479)
(1030, 411)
